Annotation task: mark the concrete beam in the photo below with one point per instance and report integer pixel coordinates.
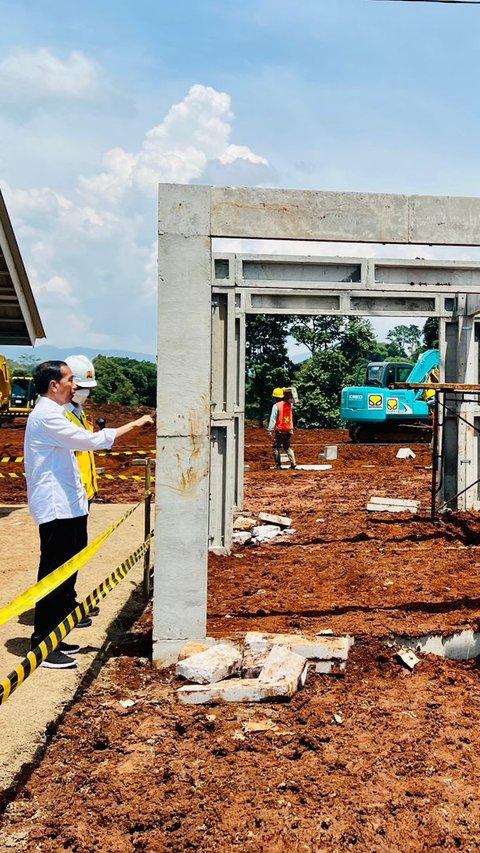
(353, 217)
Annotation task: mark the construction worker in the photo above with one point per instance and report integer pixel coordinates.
(281, 425)
(84, 378)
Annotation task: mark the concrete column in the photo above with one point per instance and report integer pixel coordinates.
(183, 419)
(468, 410)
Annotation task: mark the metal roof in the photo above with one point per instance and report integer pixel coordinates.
(20, 321)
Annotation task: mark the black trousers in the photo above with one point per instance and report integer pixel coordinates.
(59, 540)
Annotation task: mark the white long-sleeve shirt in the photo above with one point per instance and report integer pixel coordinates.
(54, 485)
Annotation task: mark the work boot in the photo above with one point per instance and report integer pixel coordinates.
(291, 457)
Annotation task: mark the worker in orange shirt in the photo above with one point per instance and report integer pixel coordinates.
(281, 425)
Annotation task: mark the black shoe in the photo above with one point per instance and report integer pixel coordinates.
(94, 611)
(84, 623)
(293, 466)
(57, 660)
(277, 467)
(69, 648)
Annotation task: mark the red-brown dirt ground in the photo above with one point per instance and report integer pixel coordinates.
(394, 770)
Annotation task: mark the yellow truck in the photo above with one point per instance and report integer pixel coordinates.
(17, 394)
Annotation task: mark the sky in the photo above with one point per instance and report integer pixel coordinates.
(99, 102)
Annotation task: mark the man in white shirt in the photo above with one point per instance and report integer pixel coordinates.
(56, 496)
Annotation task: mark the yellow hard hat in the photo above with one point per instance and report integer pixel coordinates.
(277, 392)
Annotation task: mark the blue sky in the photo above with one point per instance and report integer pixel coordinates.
(100, 101)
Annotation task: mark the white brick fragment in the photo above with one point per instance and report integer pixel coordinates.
(281, 520)
(395, 501)
(265, 531)
(214, 664)
(405, 453)
(241, 537)
(388, 507)
(233, 690)
(243, 522)
(284, 667)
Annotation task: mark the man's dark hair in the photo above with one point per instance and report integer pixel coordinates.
(45, 373)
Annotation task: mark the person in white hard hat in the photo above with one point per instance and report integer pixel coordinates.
(84, 378)
(56, 496)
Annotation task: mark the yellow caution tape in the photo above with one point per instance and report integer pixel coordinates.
(35, 657)
(5, 460)
(42, 588)
(123, 452)
(136, 477)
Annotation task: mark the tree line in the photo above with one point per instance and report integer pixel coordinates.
(338, 348)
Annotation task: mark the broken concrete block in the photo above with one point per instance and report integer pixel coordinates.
(311, 647)
(233, 690)
(378, 504)
(284, 667)
(243, 522)
(281, 520)
(395, 502)
(213, 664)
(264, 532)
(405, 453)
(193, 647)
(408, 657)
(241, 537)
(313, 467)
(253, 662)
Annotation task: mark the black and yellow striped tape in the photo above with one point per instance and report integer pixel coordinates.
(10, 475)
(6, 460)
(42, 588)
(136, 477)
(35, 657)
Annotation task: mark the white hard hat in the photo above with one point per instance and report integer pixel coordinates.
(83, 370)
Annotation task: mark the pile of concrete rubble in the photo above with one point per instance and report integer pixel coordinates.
(249, 531)
(265, 666)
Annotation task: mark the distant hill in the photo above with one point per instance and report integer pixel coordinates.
(44, 352)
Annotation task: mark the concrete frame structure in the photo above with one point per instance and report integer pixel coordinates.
(203, 302)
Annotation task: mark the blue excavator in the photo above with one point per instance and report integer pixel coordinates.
(374, 409)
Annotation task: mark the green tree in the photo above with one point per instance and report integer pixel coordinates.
(338, 345)
(25, 366)
(406, 339)
(430, 333)
(267, 364)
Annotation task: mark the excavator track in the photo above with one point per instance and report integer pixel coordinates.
(395, 434)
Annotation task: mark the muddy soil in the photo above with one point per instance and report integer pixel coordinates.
(394, 770)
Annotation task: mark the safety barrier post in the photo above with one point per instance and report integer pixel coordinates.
(148, 508)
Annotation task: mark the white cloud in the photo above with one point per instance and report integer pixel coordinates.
(194, 132)
(39, 75)
(91, 252)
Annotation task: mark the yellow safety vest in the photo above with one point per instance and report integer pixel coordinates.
(85, 458)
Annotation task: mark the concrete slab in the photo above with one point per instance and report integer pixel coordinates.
(310, 646)
(42, 697)
(212, 665)
(284, 667)
(281, 520)
(232, 690)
